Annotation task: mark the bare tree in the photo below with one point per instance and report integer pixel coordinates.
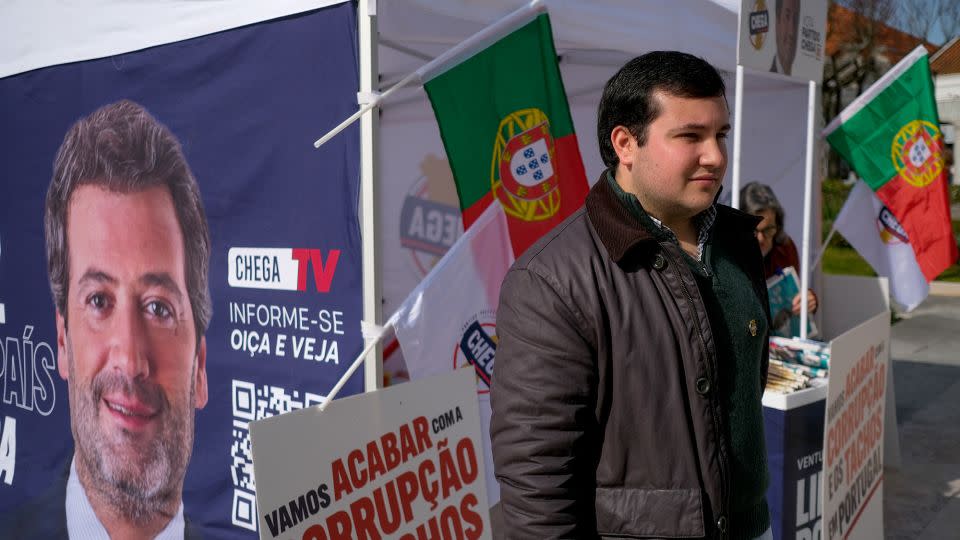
(950, 18)
(919, 18)
(860, 59)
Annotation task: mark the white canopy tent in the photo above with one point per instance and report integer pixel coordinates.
(401, 151)
(593, 39)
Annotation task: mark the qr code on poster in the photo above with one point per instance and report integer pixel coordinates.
(254, 402)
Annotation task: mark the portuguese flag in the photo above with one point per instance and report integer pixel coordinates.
(891, 136)
(507, 130)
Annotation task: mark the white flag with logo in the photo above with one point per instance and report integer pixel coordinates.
(449, 320)
(873, 231)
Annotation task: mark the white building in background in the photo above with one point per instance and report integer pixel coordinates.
(945, 65)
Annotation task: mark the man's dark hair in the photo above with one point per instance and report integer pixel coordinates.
(122, 148)
(755, 198)
(628, 96)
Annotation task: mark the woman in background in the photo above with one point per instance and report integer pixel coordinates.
(779, 251)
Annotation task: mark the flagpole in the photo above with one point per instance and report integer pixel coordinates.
(807, 205)
(374, 101)
(737, 134)
(374, 341)
(825, 245)
(436, 66)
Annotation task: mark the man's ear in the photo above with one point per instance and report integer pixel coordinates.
(201, 382)
(624, 144)
(63, 362)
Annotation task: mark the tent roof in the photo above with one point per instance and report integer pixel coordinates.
(622, 28)
(47, 32)
(43, 33)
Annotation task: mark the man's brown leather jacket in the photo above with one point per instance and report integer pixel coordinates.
(606, 422)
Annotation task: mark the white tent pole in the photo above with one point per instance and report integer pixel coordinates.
(807, 204)
(370, 239)
(737, 133)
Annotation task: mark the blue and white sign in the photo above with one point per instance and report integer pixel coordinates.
(243, 105)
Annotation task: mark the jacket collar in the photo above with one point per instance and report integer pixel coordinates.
(621, 232)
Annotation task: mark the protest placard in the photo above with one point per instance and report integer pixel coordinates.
(404, 462)
(853, 436)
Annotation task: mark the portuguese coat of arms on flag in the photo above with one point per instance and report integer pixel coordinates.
(507, 130)
(891, 136)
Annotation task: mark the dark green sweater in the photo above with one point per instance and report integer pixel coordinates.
(739, 324)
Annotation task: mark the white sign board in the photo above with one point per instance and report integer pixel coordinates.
(404, 462)
(783, 36)
(853, 436)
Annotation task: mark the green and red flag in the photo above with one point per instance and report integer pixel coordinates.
(507, 130)
(891, 136)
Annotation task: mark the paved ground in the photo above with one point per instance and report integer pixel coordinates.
(922, 496)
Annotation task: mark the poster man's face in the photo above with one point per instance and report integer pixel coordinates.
(788, 21)
(128, 347)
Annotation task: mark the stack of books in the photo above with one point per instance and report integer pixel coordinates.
(797, 364)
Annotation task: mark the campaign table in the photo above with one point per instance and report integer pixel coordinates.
(855, 318)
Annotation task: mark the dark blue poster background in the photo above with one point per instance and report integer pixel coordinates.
(794, 440)
(246, 105)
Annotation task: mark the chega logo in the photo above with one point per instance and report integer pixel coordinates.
(891, 232)
(759, 21)
(477, 347)
(285, 269)
(430, 217)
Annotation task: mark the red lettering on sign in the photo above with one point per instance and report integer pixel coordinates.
(472, 518)
(363, 519)
(358, 475)
(322, 273)
(341, 485)
(408, 489)
(315, 532)
(374, 461)
(421, 427)
(390, 523)
(339, 526)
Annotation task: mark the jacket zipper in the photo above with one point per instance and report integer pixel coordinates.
(724, 487)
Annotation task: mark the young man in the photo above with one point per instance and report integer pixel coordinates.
(128, 252)
(633, 337)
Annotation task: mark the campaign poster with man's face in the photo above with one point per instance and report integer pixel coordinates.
(176, 260)
(787, 37)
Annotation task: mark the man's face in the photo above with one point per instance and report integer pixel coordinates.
(788, 20)
(128, 347)
(678, 172)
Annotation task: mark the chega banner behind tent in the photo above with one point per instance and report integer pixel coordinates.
(131, 358)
